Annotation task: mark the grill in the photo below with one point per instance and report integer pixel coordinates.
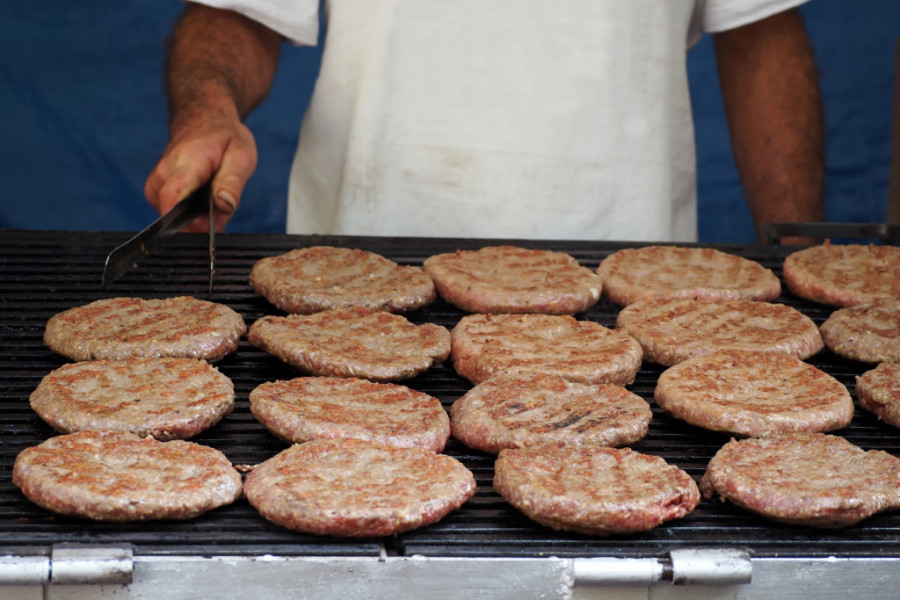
(43, 273)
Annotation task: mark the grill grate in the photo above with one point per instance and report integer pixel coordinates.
(43, 273)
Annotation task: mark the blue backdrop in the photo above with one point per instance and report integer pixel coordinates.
(84, 119)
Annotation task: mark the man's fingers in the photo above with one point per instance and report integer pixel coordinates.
(226, 155)
(180, 171)
(238, 164)
(225, 201)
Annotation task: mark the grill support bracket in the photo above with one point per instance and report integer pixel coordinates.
(686, 566)
(70, 564)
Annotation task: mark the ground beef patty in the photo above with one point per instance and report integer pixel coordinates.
(507, 279)
(878, 391)
(867, 332)
(356, 488)
(579, 351)
(117, 476)
(307, 280)
(812, 479)
(167, 398)
(329, 407)
(753, 394)
(671, 331)
(116, 328)
(844, 275)
(594, 490)
(674, 272)
(511, 411)
(353, 342)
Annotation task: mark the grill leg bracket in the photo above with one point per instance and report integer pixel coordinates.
(70, 564)
(688, 566)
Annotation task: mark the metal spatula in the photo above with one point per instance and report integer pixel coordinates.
(127, 256)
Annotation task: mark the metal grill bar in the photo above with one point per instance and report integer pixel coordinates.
(43, 273)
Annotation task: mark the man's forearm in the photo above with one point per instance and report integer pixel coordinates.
(770, 88)
(220, 65)
(218, 61)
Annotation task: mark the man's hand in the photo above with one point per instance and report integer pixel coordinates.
(220, 65)
(214, 148)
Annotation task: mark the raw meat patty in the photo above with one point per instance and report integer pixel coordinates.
(867, 332)
(878, 391)
(308, 280)
(580, 351)
(353, 342)
(328, 407)
(592, 489)
(844, 275)
(753, 394)
(671, 331)
(811, 479)
(511, 411)
(347, 487)
(507, 279)
(116, 328)
(117, 476)
(167, 398)
(674, 272)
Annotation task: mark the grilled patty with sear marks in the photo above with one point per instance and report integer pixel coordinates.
(353, 342)
(308, 280)
(671, 331)
(631, 274)
(508, 279)
(116, 328)
(592, 489)
(347, 487)
(812, 479)
(579, 351)
(167, 398)
(867, 332)
(328, 407)
(117, 476)
(844, 275)
(878, 391)
(754, 394)
(511, 411)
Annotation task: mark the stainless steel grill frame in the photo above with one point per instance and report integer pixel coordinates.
(43, 273)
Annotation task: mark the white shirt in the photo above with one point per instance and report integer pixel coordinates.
(540, 119)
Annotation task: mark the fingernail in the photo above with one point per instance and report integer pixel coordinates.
(226, 203)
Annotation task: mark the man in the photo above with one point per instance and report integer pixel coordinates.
(497, 118)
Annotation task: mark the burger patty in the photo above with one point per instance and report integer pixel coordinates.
(878, 391)
(844, 275)
(811, 479)
(317, 278)
(594, 490)
(116, 328)
(867, 332)
(511, 411)
(631, 274)
(580, 351)
(117, 476)
(671, 331)
(507, 279)
(753, 394)
(353, 342)
(347, 487)
(167, 398)
(327, 407)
